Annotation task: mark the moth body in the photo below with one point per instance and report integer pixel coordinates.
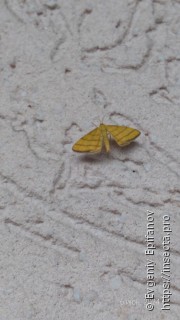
(105, 136)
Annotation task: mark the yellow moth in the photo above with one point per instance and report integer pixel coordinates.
(99, 137)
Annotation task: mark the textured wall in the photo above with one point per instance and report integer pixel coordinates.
(72, 226)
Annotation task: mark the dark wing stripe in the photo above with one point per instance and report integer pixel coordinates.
(90, 139)
(86, 145)
(115, 129)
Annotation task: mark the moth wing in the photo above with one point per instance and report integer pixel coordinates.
(122, 135)
(91, 142)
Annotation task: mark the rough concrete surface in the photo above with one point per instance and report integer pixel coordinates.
(73, 226)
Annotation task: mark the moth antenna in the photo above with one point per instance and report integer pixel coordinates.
(94, 124)
(98, 118)
(103, 118)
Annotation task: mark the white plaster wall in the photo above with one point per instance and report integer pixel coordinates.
(72, 232)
